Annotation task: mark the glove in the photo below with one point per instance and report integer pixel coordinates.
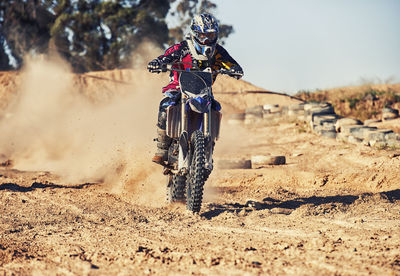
(236, 71)
(154, 66)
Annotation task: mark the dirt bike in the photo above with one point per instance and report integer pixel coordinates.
(193, 123)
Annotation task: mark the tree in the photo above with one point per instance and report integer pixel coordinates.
(184, 12)
(4, 59)
(24, 28)
(90, 34)
(97, 35)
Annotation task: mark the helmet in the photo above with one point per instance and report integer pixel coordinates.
(204, 34)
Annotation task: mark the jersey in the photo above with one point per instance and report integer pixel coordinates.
(181, 53)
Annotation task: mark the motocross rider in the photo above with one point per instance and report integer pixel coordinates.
(199, 49)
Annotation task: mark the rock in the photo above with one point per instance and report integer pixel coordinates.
(281, 211)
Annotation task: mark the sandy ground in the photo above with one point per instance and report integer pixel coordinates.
(333, 209)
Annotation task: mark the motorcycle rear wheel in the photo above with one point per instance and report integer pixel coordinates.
(197, 173)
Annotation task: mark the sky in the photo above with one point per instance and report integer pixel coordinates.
(292, 45)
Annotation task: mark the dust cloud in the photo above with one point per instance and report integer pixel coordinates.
(54, 126)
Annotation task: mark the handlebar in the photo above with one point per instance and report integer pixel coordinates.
(169, 67)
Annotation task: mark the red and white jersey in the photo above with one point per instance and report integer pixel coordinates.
(181, 53)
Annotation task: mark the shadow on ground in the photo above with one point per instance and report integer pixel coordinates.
(37, 185)
(292, 204)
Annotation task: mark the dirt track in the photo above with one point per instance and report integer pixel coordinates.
(333, 209)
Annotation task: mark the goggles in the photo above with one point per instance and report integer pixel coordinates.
(206, 38)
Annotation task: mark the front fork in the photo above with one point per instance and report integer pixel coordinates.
(184, 153)
(184, 140)
(208, 140)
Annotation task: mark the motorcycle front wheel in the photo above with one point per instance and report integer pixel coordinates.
(176, 188)
(197, 173)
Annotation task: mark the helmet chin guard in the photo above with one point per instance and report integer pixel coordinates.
(200, 53)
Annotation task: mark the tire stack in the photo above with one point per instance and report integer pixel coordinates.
(382, 138)
(322, 119)
(296, 112)
(272, 113)
(254, 115)
(353, 131)
(345, 127)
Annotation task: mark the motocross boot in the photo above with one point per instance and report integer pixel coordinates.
(161, 156)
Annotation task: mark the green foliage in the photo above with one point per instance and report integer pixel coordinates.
(373, 92)
(184, 12)
(98, 35)
(353, 102)
(91, 34)
(24, 25)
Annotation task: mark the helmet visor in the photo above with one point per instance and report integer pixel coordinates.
(206, 38)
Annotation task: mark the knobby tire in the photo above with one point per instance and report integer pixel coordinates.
(176, 189)
(197, 173)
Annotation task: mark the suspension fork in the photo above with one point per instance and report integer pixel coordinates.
(184, 116)
(208, 137)
(184, 140)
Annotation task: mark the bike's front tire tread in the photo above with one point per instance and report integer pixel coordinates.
(176, 190)
(197, 175)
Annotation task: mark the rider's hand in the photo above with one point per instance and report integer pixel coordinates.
(236, 71)
(154, 66)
